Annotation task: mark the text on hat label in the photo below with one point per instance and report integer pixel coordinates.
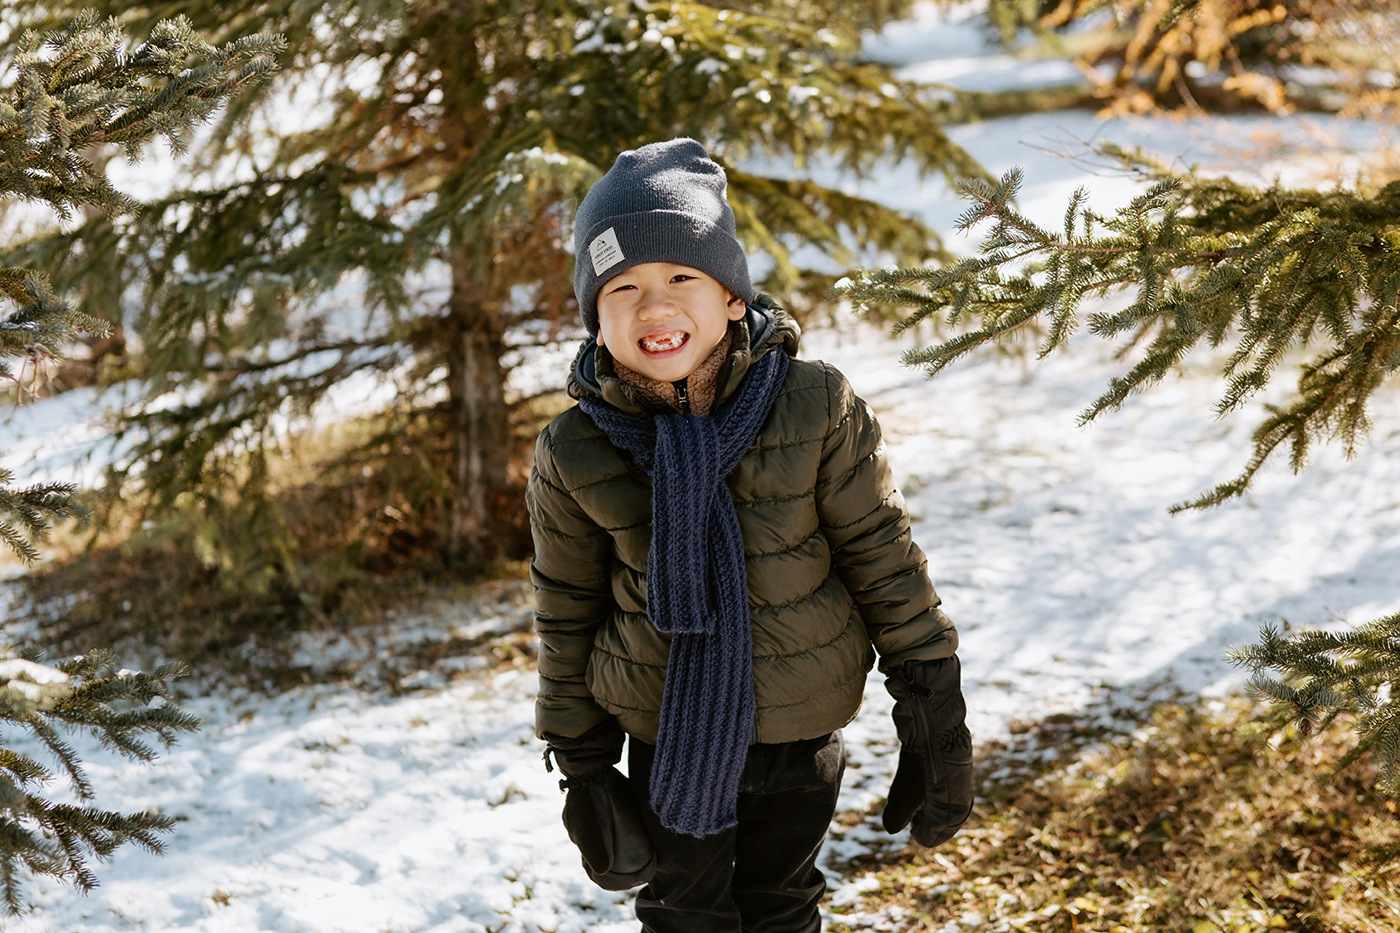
(605, 251)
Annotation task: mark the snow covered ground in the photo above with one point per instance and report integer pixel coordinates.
(333, 809)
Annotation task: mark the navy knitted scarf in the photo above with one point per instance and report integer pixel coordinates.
(698, 592)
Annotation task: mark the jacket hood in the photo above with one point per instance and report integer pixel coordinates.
(764, 328)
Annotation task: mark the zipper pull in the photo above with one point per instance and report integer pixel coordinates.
(682, 396)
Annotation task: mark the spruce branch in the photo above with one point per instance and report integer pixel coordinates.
(77, 88)
(80, 87)
(1318, 676)
(34, 509)
(1202, 265)
(89, 694)
(73, 89)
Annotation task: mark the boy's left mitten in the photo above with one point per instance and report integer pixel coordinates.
(932, 789)
(601, 814)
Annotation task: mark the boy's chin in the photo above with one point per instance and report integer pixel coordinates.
(669, 367)
(663, 373)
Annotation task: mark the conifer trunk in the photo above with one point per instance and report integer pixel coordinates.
(478, 420)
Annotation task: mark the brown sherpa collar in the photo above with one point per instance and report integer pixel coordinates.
(700, 386)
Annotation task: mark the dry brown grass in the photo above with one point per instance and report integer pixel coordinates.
(1196, 822)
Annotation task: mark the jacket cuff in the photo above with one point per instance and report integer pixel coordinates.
(595, 751)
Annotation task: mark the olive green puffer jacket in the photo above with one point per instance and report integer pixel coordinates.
(832, 568)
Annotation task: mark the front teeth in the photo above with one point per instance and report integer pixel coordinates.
(660, 343)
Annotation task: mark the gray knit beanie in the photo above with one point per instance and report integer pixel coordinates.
(659, 203)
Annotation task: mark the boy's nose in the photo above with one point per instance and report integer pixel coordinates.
(655, 305)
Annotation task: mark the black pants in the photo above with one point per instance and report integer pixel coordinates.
(761, 876)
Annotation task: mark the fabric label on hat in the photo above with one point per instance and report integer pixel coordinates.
(605, 251)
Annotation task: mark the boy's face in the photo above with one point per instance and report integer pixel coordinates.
(663, 320)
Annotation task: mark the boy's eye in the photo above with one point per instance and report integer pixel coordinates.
(620, 288)
(681, 277)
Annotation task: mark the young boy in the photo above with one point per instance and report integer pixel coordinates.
(719, 555)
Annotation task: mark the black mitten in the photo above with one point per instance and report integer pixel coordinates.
(601, 815)
(932, 789)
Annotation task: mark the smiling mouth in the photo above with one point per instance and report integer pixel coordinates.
(662, 343)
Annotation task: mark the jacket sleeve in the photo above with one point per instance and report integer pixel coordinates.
(570, 576)
(866, 522)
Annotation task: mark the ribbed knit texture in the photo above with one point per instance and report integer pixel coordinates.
(698, 592)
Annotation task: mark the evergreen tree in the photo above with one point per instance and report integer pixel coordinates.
(64, 92)
(430, 154)
(1299, 281)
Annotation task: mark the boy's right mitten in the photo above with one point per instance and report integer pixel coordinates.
(932, 789)
(601, 814)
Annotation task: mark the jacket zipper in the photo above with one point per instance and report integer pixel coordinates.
(682, 396)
